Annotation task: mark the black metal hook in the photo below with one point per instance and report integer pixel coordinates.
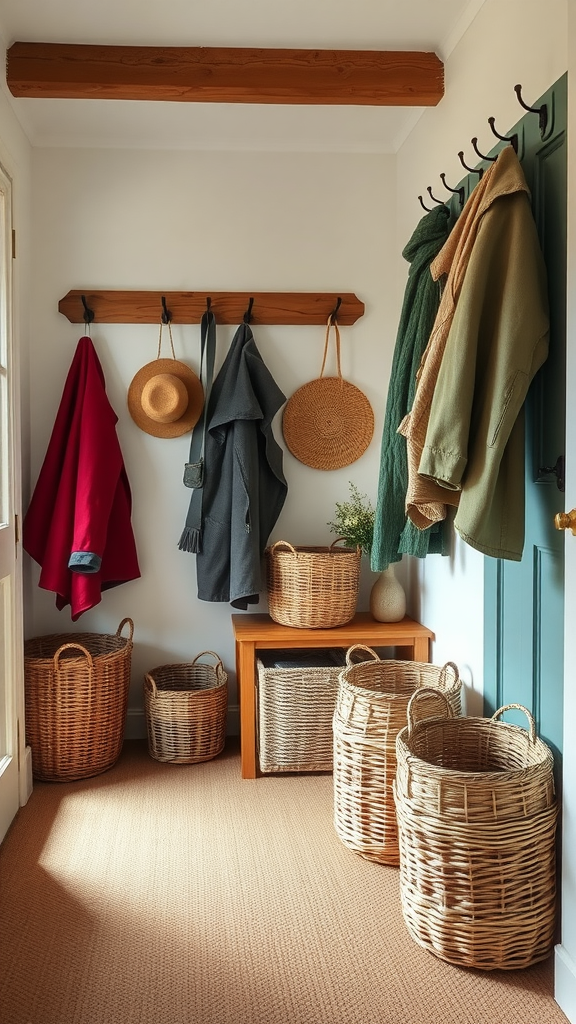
(208, 303)
(474, 142)
(424, 207)
(88, 313)
(512, 139)
(558, 470)
(457, 191)
(433, 197)
(248, 313)
(166, 316)
(541, 111)
(473, 170)
(334, 313)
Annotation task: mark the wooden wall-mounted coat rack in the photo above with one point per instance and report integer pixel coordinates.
(147, 307)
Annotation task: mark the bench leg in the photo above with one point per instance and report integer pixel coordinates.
(246, 681)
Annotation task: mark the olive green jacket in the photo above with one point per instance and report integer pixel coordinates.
(498, 339)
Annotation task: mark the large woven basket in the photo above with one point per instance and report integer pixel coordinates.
(186, 706)
(76, 689)
(312, 587)
(296, 701)
(477, 821)
(371, 708)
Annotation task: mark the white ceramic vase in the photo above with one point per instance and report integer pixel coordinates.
(387, 597)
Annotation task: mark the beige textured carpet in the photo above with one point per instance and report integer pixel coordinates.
(159, 894)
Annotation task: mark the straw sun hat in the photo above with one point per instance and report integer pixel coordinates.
(165, 398)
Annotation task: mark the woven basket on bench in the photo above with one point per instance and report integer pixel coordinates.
(76, 688)
(370, 710)
(477, 820)
(312, 588)
(186, 707)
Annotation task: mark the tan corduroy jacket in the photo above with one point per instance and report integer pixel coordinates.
(465, 432)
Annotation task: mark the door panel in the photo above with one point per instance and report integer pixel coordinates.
(524, 601)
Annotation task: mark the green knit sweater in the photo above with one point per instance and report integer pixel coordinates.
(394, 534)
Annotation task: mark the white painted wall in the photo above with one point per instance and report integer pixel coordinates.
(519, 41)
(215, 221)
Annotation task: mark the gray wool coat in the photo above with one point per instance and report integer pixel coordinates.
(244, 484)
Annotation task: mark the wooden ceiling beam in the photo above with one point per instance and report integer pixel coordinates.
(225, 75)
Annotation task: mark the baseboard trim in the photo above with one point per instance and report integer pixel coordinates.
(565, 982)
(25, 780)
(136, 723)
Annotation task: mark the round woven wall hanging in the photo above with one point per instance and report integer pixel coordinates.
(328, 423)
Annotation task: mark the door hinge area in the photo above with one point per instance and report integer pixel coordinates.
(13, 243)
(16, 529)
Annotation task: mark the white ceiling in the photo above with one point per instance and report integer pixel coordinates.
(340, 24)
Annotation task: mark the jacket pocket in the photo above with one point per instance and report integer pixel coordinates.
(510, 406)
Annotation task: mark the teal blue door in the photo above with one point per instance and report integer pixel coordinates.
(524, 601)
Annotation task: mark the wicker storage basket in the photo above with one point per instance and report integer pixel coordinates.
(312, 588)
(295, 709)
(477, 821)
(371, 708)
(76, 689)
(186, 708)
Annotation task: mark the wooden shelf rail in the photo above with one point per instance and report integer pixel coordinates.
(204, 74)
(146, 307)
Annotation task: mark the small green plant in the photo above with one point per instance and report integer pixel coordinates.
(355, 520)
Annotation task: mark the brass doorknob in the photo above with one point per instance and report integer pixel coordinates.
(566, 520)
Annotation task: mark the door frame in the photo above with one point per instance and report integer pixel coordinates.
(565, 953)
(16, 740)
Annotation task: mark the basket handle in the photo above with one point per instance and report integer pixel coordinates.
(519, 707)
(77, 647)
(218, 665)
(360, 647)
(149, 684)
(283, 543)
(121, 627)
(425, 693)
(358, 548)
(444, 672)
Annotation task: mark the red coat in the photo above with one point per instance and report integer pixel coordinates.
(78, 525)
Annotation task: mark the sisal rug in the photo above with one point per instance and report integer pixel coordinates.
(163, 894)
